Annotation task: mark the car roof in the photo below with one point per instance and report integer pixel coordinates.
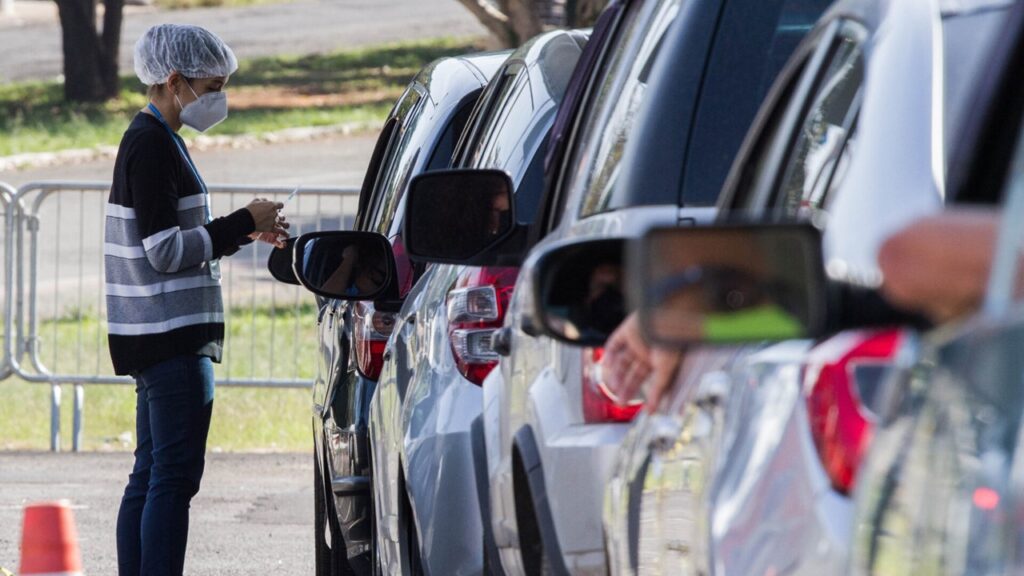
(548, 61)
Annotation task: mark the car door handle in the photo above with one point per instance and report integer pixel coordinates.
(501, 342)
(665, 431)
(712, 390)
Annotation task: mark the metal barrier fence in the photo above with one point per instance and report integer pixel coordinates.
(54, 306)
(7, 194)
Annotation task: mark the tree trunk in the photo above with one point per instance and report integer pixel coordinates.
(90, 56)
(583, 13)
(511, 22)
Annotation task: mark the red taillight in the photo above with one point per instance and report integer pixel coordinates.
(476, 310)
(840, 423)
(599, 404)
(370, 332)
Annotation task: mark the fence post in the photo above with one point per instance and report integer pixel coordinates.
(76, 438)
(55, 392)
(7, 194)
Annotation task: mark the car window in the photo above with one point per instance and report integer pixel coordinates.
(445, 149)
(616, 100)
(481, 110)
(400, 164)
(504, 129)
(756, 40)
(821, 148)
(373, 172)
(485, 116)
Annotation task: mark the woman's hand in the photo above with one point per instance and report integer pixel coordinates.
(271, 227)
(627, 359)
(629, 362)
(270, 238)
(265, 214)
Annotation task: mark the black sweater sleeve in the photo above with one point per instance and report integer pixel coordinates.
(230, 232)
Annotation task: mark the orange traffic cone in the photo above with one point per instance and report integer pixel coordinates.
(49, 541)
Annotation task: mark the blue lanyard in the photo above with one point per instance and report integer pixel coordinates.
(186, 157)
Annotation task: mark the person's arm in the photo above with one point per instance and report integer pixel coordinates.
(243, 241)
(940, 265)
(858, 307)
(155, 198)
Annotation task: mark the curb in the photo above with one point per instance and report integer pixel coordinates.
(82, 155)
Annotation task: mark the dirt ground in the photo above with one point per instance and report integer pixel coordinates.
(253, 515)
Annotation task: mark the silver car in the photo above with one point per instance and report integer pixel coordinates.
(552, 428)
(428, 508)
(749, 468)
(942, 492)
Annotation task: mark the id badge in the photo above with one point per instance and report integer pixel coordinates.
(214, 266)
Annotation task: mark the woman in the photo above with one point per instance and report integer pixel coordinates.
(164, 307)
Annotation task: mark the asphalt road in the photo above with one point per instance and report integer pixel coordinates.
(253, 514)
(33, 50)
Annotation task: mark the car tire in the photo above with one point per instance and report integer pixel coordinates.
(330, 556)
(535, 556)
(412, 540)
(322, 552)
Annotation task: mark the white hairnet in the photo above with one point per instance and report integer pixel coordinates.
(191, 51)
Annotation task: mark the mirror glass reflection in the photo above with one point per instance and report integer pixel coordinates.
(583, 296)
(722, 285)
(455, 215)
(345, 266)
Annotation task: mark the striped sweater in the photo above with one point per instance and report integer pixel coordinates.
(161, 298)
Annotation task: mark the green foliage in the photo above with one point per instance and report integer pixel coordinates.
(276, 342)
(268, 94)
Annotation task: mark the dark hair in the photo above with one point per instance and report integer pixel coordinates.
(157, 88)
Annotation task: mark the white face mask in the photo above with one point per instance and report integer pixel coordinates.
(205, 111)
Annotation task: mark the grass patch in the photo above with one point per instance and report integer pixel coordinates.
(244, 419)
(265, 95)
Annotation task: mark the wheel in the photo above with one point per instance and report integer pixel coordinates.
(377, 569)
(536, 557)
(413, 540)
(322, 552)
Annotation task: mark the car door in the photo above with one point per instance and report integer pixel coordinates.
(942, 491)
(332, 343)
(687, 442)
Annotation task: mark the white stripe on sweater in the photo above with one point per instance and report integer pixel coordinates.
(122, 212)
(186, 203)
(130, 291)
(123, 251)
(150, 241)
(142, 329)
(190, 202)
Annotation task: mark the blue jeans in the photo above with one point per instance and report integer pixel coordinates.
(172, 419)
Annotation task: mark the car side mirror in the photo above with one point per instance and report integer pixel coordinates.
(455, 216)
(578, 291)
(729, 284)
(279, 263)
(346, 265)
